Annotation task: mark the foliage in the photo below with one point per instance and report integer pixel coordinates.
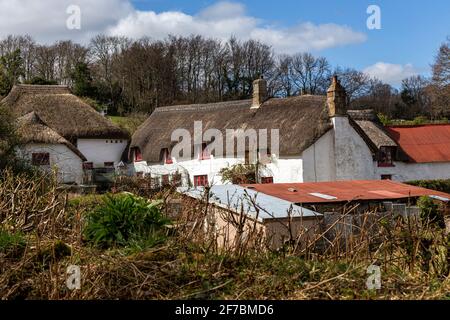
(11, 69)
(131, 122)
(41, 81)
(442, 185)
(384, 119)
(11, 242)
(239, 174)
(123, 219)
(82, 80)
(430, 211)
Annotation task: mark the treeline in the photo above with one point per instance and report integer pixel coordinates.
(129, 76)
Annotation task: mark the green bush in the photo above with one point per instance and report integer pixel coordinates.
(11, 243)
(438, 185)
(430, 211)
(124, 220)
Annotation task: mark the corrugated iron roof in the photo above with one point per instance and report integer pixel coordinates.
(423, 143)
(343, 191)
(235, 198)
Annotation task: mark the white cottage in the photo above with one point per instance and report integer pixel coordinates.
(319, 140)
(60, 130)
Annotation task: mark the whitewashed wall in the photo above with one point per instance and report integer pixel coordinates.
(319, 161)
(68, 164)
(353, 158)
(415, 171)
(99, 151)
(282, 170)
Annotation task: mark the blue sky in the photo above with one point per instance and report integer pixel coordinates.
(411, 31)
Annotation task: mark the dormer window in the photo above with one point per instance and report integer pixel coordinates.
(386, 157)
(204, 153)
(167, 158)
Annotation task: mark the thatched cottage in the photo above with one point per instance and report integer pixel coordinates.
(58, 129)
(319, 140)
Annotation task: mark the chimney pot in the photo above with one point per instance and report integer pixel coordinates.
(259, 92)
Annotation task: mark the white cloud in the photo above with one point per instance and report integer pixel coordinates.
(46, 21)
(391, 73)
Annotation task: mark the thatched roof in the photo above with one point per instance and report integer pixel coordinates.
(64, 112)
(31, 129)
(301, 121)
(371, 128)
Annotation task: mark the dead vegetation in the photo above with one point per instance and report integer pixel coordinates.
(42, 235)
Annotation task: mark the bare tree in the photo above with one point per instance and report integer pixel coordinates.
(310, 75)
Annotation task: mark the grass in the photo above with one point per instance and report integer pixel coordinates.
(129, 123)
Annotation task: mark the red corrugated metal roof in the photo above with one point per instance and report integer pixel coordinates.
(424, 143)
(343, 191)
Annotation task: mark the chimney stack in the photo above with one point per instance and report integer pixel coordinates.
(336, 99)
(259, 92)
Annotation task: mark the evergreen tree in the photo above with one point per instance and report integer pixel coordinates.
(11, 70)
(82, 80)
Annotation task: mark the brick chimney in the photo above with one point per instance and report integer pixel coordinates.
(259, 92)
(336, 99)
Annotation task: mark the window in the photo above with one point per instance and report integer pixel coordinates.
(204, 154)
(386, 177)
(109, 164)
(385, 156)
(140, 174)
(266, 180)
(88, 165)
(136, 154)
(40, 159)
(165, 179)
(167, 157)
(200, 181)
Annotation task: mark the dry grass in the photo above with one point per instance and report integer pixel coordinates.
(414, 258)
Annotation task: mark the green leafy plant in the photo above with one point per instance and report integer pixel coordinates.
(125, 219)
(11, 243)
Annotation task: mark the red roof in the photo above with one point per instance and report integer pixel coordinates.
(343, 191)
(424, 143)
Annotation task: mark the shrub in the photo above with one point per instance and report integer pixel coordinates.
(442, 185)
(430, 211)
(11, 243)
(239, 174)
(123, 220)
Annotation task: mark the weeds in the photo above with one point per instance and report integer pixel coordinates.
(38, 218)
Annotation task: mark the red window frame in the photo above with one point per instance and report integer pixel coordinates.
(386, 157)
(266, 180)
(88, 165)
(40, 159)
(204, 153)
(167, 157)
(201, 181)
(137, 154)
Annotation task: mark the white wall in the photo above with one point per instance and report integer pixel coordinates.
(404, 171)
(282, 170)
(99, 151)
(68, 164)
(318, 160)
(353, 158)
